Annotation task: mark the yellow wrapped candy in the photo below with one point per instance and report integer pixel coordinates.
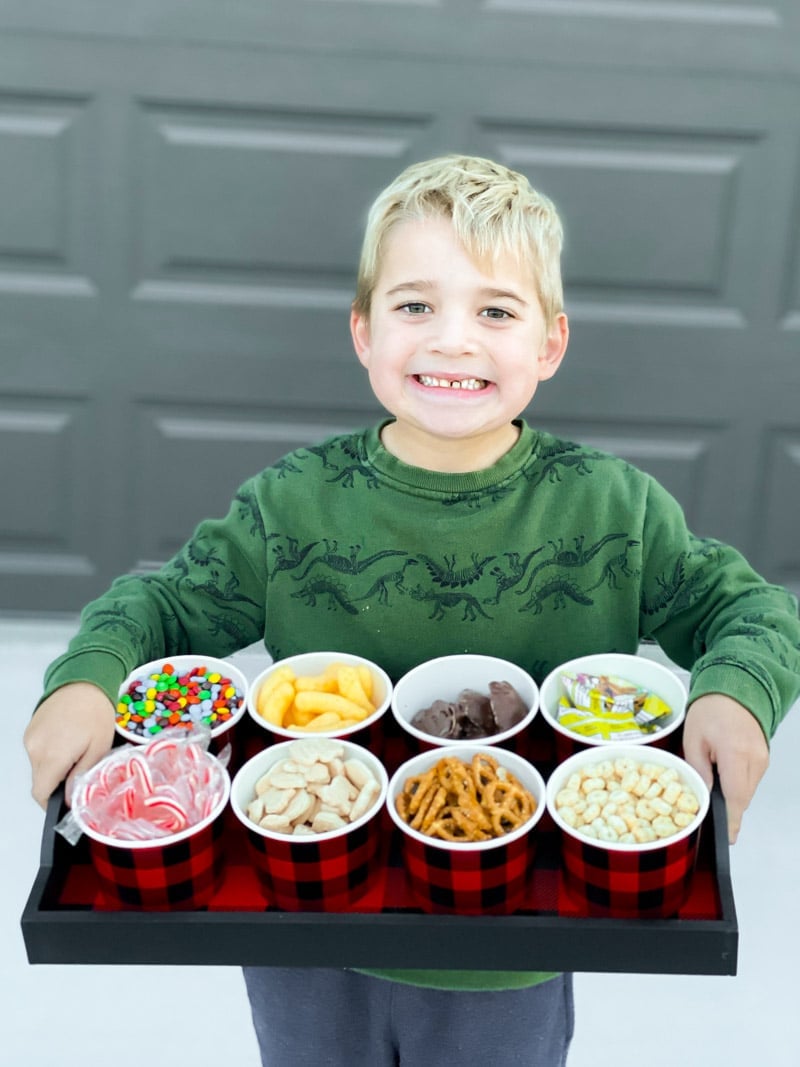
(611, 707)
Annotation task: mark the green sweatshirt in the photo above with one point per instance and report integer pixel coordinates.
(555, 551)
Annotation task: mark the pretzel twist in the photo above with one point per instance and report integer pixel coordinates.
(457, 801)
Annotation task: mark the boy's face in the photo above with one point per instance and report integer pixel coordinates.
(454, 350)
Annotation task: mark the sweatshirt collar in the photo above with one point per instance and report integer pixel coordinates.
(394, 469)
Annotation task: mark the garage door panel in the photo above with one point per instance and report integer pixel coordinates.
(45, 443)
(261, 194)
(47, 182)
(776, 514)
(789, 297)
(643, 34)
(660, 224)
(298, 351)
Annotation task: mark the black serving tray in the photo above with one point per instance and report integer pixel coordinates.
(66, 922)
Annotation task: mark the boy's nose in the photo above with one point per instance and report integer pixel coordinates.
(453, 335)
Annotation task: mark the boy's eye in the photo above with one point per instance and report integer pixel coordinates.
(415, 307)
(496, 313)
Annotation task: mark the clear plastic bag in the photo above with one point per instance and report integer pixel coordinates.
(144, 792)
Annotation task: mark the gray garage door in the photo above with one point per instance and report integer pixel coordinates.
(182, 189)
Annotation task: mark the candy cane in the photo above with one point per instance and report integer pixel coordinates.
(179, 819)
(140, 774)
(90, 792)
(129, 802)
(113, 773)
(161, 744)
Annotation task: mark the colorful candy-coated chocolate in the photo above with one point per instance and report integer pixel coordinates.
(165, 699)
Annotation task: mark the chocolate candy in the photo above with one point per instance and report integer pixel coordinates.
(153, 703)
(472, 714)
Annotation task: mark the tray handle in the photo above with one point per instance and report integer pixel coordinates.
(722, 850)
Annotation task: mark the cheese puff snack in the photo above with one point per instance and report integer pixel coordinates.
(339, 697)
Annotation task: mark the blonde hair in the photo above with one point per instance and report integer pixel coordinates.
(494, 210)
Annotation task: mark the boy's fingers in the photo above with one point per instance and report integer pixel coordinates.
(720, 731)
(48, 774)
(69, 732)
(45, 774)
(91, 756)
(45, 780)
(699, 757)
(738, 781)
(734, 813)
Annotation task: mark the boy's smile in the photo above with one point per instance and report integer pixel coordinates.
(451, 383)
(454, 349)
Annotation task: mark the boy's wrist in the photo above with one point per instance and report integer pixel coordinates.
(740, 685)
(97, 667)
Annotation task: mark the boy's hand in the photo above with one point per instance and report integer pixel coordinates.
(718, 730)
(68, 734)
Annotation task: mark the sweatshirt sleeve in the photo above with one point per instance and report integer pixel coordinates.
(210, 598)
(713, 614)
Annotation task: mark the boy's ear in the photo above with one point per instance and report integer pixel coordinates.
(359, 331)
(554, 347)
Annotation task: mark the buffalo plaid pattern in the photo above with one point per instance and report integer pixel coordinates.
(370, 737)
(185, 874)
(647, 884)
(74, 885)
(394, 746)
(317, 874)
(469, 881)
(570, 746)
(571, 882)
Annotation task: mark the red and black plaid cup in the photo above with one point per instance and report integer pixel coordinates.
(639, 670)
(627, 880)
(444, 678)
(158, 876)
(312, 872)
(181, 871)
(470, 878)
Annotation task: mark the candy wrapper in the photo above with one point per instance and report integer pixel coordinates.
(144, 792)
(610, 707)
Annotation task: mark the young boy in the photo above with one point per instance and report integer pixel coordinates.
(451, 526)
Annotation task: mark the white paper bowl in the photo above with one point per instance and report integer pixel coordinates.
(654, 756)
(311, 663)
(181, 665)
(653, 676)
(445, 677)
(244, 785)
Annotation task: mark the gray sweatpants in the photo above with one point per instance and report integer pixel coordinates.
(308, 1017)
